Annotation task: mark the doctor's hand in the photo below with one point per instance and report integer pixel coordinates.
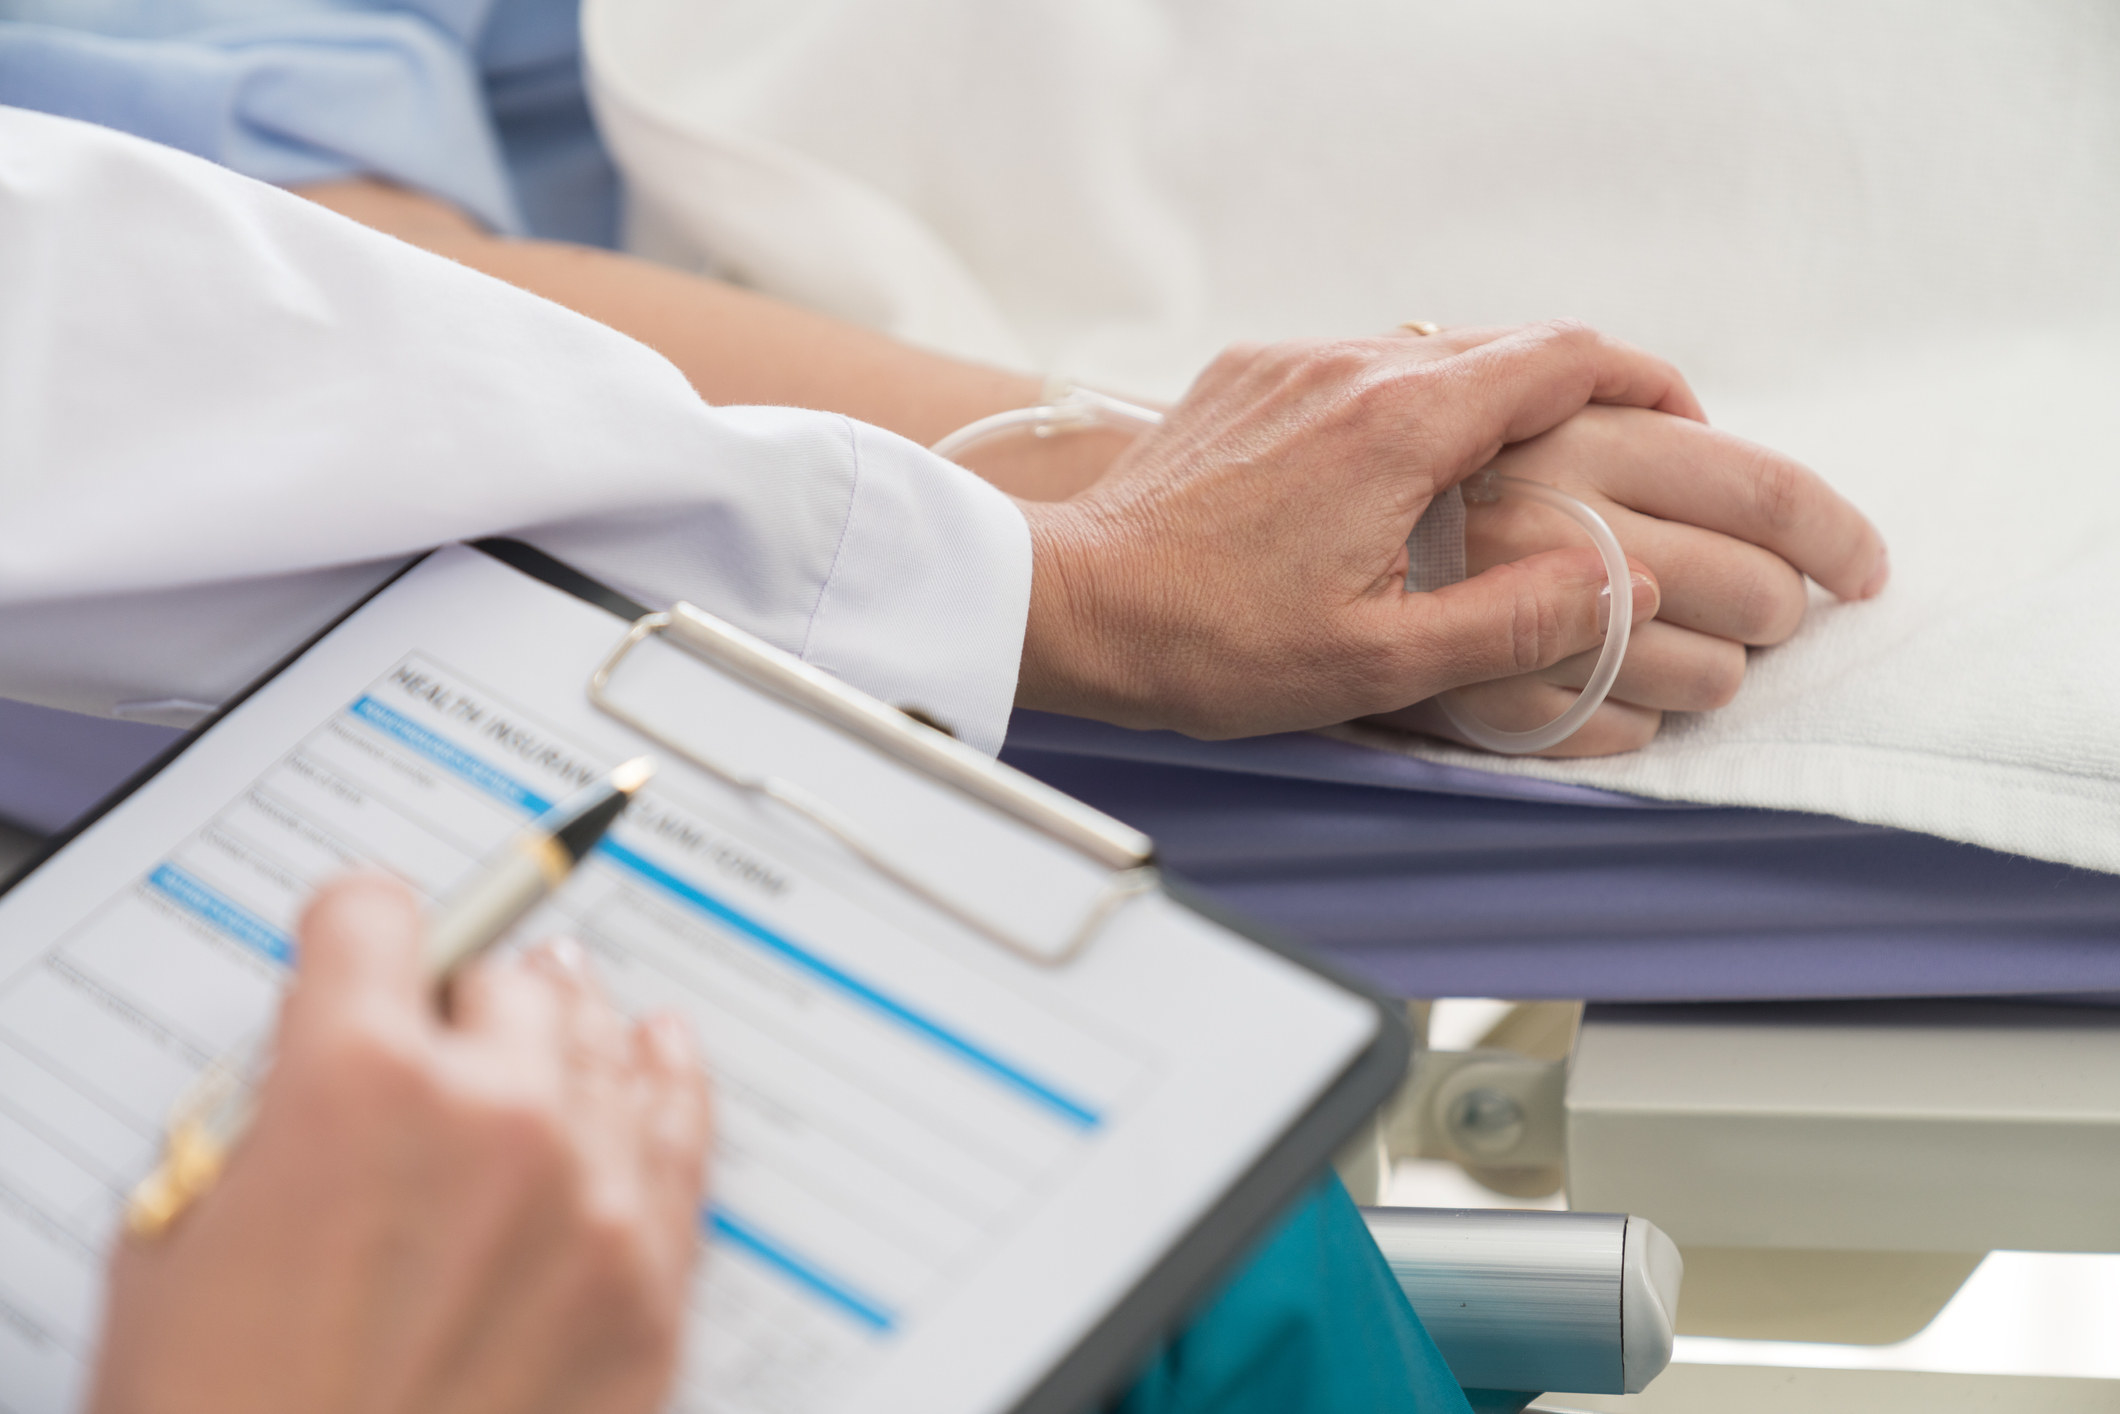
(1241, 568)
(489, 1214)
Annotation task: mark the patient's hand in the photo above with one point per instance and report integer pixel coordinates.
(490, 1214)
(1730, 530)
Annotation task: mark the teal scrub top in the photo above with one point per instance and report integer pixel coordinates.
(1312, 1323)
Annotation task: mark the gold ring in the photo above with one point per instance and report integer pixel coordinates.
(1422, 327)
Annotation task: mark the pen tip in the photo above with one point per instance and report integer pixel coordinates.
(633, 775)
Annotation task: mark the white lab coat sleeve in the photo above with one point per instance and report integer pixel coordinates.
(225, 412)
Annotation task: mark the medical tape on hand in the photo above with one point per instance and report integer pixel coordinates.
(1436, 549)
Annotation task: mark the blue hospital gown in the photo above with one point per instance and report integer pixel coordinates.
(477, 101)
(481, 102)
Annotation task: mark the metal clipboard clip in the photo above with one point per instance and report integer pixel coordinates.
(1125, 851)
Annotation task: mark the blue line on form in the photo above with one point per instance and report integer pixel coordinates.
(447, 753)
(743, 1235)
(230, 919)
(504, 787)
(854, 987)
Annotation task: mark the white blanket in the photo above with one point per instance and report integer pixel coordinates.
(1979, 697)
(1884, 236)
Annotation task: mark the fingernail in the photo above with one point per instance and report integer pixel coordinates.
(1878, 576)
(1642, 601)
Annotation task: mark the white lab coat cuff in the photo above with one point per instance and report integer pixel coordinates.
(927, 597)
(226, 412)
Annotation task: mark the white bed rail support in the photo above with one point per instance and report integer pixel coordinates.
(1491, 1109)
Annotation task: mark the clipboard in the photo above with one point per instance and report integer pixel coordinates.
(1102, 1358)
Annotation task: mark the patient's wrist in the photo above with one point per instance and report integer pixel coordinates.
(1033, 468)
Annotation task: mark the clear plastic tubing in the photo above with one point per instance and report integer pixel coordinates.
(1075, 410)
(1078, 409)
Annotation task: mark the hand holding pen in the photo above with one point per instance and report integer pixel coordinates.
(520, 875)
(493, 1209)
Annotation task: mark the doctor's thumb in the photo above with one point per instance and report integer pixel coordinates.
(1514, 618)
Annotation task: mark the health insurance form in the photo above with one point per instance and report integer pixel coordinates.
(937, 1164)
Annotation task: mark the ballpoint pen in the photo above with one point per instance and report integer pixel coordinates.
(514, 880)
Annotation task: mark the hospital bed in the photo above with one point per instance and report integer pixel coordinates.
(1837, 1064)
(54, 765)
(1433, 880)
(1832, 1171)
